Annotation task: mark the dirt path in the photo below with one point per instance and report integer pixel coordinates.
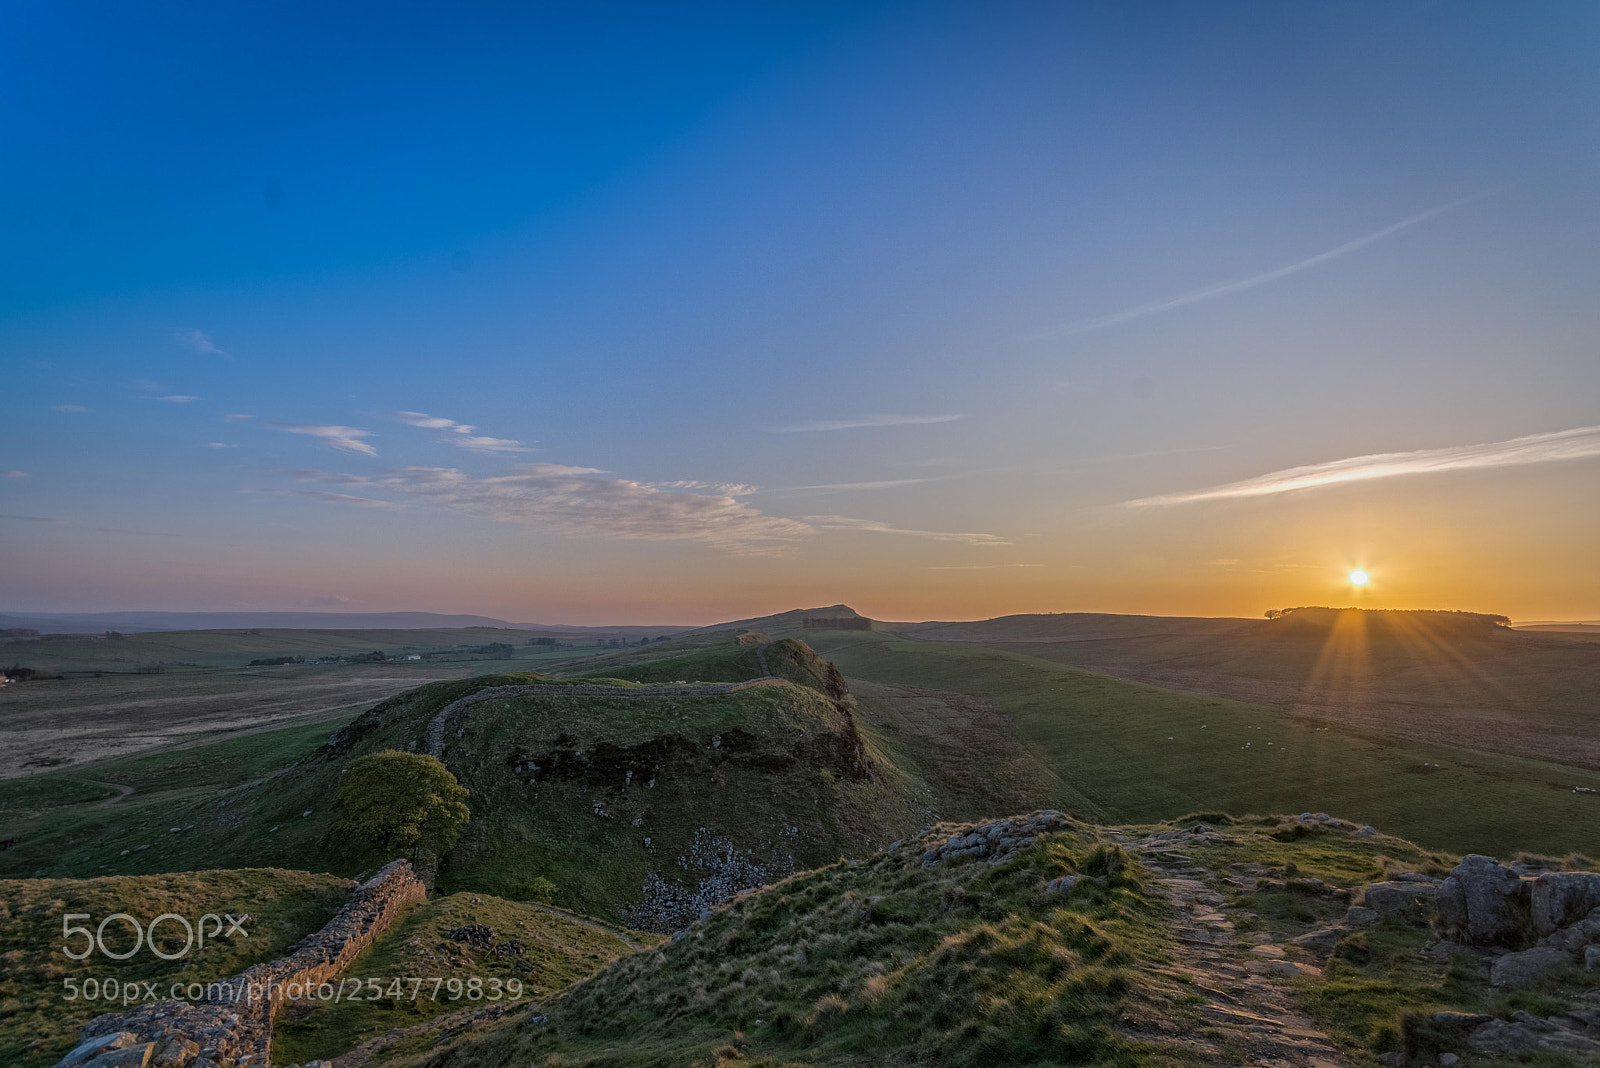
(1244, 979)
(122, 791)
(584, 921)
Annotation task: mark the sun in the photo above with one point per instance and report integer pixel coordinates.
(1359, 577)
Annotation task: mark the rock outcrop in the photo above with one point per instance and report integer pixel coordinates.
(232, 1026)
(1483, 903)
(1550, 920)
(993, 841)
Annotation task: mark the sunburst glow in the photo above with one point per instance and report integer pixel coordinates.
(1359, 577)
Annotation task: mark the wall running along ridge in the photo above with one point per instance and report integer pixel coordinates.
(232, 1027)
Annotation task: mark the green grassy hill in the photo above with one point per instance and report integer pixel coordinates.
(1170, 944)
(882, 962)
(1451, 677)
(638, 801)
(1115, 750)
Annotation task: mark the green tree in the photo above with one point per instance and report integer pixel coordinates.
(402, 804)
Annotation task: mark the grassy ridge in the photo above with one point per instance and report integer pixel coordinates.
(1125, 751)
(884, 962)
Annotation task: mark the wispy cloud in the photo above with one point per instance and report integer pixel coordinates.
(732, 489)
(573, 501)
(829, 487)
(977, 567)
(872, 526)
(219, 445)
(70, 409)
(199, 341)
(1573, 444)
(13, 474)
(344, 438)
(878, 419)
(346, 498)
(1228, 289)
(179, 398)
(461, 434)
(30, 518)
(330, 600)
(238, 417)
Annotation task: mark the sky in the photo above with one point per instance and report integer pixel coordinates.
(649, 313)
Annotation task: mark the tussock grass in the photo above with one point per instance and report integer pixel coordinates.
(967, 963)
(557, 950)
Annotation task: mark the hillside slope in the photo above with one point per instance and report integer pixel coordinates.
(643, 802)
(1437, 677)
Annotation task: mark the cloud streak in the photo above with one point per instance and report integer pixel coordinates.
(1576, 444)
(875, 420)
(343, 438)
(872, 526)
(1228, 289)
(829, 487)
(461, 434)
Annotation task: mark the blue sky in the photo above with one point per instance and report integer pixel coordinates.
(750, 306)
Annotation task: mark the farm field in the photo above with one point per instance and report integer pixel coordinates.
(95, 712)
(1114, 750)
(1525, 691)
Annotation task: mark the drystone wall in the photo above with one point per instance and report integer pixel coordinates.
(232, 1026)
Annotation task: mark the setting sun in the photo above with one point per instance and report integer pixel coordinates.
(1359, 578)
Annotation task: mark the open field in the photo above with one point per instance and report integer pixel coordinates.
(98, 711)
(1114, 750)
(133, 653)
(1523, 691)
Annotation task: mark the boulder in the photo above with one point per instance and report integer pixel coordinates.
(1573, 938)
(1527, 1032)
(1484, 903)
(1360, 916)
(1528, 968)
(90, 1049)
(1396, 898)
(127, 1057)
(1324, 939)
(1558, 899)
(1591, 957)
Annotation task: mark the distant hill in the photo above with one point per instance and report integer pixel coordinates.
(138, 622)
(796, 621)
(1074, 626)
(142, 622)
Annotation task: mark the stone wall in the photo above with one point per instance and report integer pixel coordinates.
(232, 1028)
